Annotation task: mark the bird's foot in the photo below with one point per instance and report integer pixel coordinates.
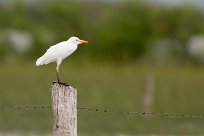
(60, 83)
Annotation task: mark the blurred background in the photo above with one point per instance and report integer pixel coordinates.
(143, 55)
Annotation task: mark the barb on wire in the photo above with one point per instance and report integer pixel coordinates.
(182, 115)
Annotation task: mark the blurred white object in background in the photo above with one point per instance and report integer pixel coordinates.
(21, 41)
(196, 47)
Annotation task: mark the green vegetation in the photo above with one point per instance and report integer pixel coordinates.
(178, 89)
(116, 31)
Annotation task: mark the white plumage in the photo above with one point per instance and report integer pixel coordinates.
(56, 53)
(60, 51)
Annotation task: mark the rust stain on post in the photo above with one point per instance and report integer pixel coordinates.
(64, 106)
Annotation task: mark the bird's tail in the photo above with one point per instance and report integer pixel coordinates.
(39, 62)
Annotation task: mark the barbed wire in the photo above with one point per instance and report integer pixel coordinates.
(135, 113)
(25, 107)
(144, 113)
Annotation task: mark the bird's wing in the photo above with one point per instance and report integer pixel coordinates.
(56, 46)
(55, 52)
(52, 54)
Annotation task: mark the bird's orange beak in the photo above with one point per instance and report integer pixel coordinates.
(83, 41)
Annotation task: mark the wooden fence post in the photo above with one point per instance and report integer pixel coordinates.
(150, 90)
(64, 106)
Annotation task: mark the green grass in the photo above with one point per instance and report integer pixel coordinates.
(178, 89)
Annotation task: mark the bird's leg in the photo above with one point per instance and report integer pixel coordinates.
(57, 77)
(57, 72)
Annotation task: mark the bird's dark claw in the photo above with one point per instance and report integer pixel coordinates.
(60, 83)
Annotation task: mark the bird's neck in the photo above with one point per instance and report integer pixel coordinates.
(71, 45)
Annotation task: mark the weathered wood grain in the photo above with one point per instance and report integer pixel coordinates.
(64, 106)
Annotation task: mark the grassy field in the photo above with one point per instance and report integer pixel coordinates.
(178, 89)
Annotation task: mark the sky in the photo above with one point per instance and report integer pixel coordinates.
(198, 3)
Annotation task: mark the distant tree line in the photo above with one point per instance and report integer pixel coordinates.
(115, 31)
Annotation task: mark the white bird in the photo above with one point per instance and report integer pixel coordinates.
(58, 52)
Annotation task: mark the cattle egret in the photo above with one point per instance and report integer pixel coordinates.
(58, 52)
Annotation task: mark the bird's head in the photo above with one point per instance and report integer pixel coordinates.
(76, 40)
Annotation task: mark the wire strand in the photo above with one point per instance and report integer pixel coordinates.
(135, 113)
